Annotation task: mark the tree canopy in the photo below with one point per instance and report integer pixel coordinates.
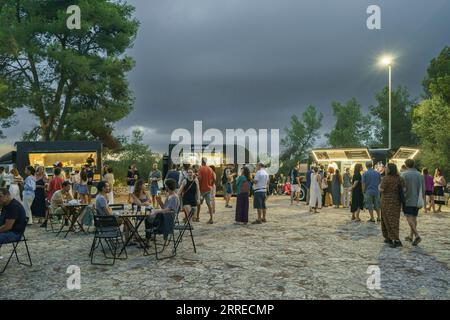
(73, 81)
(352, 128)
(437, 80)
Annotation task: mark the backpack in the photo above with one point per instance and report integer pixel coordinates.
(244, 187)
(224, 177)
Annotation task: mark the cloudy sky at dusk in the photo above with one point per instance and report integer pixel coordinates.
(254, 63)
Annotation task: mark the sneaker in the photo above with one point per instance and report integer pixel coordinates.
(387, 241)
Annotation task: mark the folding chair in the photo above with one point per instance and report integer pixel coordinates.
(107, 235)
(50, 216)
(165, 228)
(183, 227)
(14, 251)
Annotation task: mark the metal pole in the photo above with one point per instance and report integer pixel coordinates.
(390, 107)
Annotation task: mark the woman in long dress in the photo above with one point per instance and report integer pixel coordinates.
(14, 188)
(315, 200)
(357, 194)
(243, 186)
(336, 188)
(39, 207)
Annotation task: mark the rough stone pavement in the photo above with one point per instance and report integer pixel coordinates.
(295, 255)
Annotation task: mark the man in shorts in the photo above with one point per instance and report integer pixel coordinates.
(371, 179)
(206, 180)
(261, 180)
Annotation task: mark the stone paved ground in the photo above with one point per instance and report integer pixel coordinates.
(296, 255)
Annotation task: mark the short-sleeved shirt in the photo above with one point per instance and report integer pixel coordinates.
(371, 180)
(172, 203)
(54, 185)
(175, 175)
(58, 198)
(205, 177)
(414, 186)
(155, 174)
(101, 205)
(347, 180)
(261, 179)
(14, 211)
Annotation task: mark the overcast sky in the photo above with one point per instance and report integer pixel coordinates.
(254, 63)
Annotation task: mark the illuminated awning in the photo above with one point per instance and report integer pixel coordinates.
(343, 154)
(405, 153)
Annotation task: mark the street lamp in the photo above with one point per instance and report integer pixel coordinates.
(387, 61)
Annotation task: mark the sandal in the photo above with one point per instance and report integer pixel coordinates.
(417, 241)
(210, 221)
(409, 239)
(263, 220)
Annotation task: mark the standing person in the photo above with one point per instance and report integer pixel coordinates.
(439, 184)
(174, 174)
(429, 189)
(243, 186)
(190, 193)
(260, 181)
(153, 180)
(357, 193)
(109, 177)
(414, 195)
(315, 200)
(131, 181)
(2, 177)
(370, 181)
(308, 184)
(329, 192)
(75, 181)
(213, 190)
(55, 184)
(184, 173)
(324, 187)
(14, 188)
(28, 192)
(295, 183)
(39, 206)
(336, 188)
(90, 182)
(206, 179)
(227, 182)
(347, 184)
(83, 190)
(391, 205)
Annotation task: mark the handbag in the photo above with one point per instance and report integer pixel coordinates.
(420, 203)
(244, 187)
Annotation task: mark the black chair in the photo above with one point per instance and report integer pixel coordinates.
(162, 224)
(15, 244)
(107, 235)
(186, 226)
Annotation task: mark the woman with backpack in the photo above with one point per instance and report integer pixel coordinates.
(243, 186)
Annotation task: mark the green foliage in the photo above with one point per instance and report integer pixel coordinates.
(352, 128)
(432, 126)
(133, 151)
(73, 81)
(437, 81)
(402, 107)
(300, 138)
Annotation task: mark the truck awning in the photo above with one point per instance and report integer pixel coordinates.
(341, 154)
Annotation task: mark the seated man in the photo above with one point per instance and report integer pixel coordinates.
(59, 198)
(12, 218)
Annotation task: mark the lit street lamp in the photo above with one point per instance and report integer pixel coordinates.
(387, 61)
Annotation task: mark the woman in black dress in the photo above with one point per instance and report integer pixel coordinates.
(39, 206)
(357, 194)
(190, 193)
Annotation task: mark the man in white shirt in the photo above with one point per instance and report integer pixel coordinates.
(260, 181)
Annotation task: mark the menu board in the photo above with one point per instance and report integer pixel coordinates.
(405, 153)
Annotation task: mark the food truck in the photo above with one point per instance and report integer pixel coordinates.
(343, 158)
(230, 154)
(72, 154)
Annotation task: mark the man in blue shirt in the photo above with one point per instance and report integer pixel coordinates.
(371, 179)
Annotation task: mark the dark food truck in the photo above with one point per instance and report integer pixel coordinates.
(72, 154)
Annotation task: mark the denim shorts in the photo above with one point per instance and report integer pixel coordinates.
(8, 237)
(228, 188)
(154, 189)
(259, 200)
(205, 196)
(372, 202)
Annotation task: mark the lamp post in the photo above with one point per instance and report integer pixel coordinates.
(387, 61)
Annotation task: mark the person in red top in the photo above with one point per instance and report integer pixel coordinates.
(55, 184)
(206, 177)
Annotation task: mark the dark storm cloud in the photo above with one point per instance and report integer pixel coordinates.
(254, 63)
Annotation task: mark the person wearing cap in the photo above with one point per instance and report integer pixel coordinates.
(260, 181)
